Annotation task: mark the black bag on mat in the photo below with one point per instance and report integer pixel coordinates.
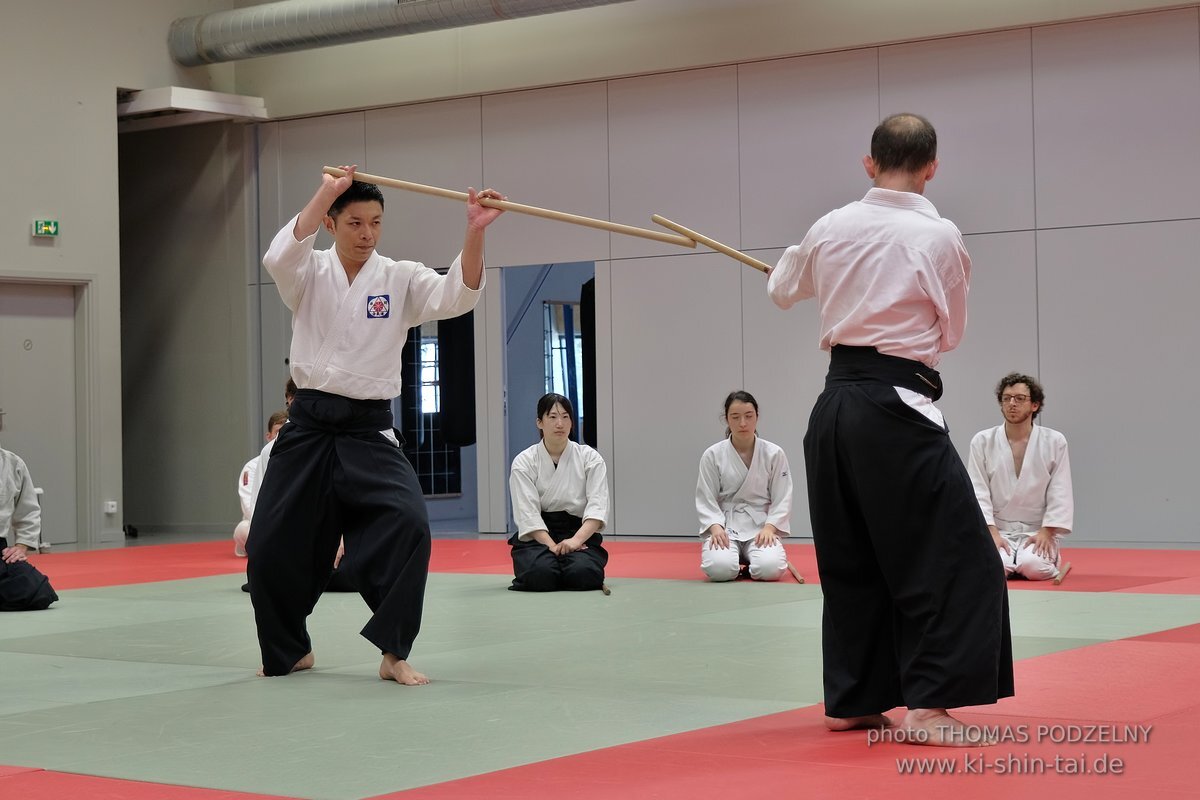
(23, 588)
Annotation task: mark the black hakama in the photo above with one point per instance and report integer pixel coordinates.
(23, 587)
(333, 474)
(916, 606)
(538, 570)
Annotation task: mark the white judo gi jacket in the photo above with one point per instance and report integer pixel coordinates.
(578, 486)
(742, 500)
(1040, 497)
(347, 338)
(20, 512)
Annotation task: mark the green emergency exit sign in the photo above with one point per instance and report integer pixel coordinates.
(45, 227)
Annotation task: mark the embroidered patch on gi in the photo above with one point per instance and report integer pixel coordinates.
(379, 306)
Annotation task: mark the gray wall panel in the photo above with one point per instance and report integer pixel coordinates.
(673, 150)
(676, 352)
(976, 91)
(306, 145)
(1117, 117)
(548, 148)
(438, 144)
(1118, 334)
(1002, 332)
(804, 126)
(490, 406)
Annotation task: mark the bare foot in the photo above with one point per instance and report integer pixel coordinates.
(399, 670)
(858, 723)
(304, 663)
(935, 727)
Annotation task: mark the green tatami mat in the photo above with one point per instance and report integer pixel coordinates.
(156, 682)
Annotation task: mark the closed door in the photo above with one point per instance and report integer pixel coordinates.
(37, 396)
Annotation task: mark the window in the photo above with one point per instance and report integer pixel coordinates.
(564, 353)
(430, 390)
(437, 464)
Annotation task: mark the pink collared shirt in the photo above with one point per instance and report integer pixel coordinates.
(887, 271)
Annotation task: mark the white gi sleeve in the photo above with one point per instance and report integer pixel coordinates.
(434, 296)
(977, 469)
(27, 512)
(954, 271)
(1060, 502)
(595, 477)
(708, 488)
(260, 472)
(527, 505)
(246, 487)
(791, 280)
(780, 510)
(289, 262)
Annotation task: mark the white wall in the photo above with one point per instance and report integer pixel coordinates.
(63, 63)
(633, 38)
(1067, 159)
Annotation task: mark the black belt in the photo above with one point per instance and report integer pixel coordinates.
(312, 408)
(849, 365)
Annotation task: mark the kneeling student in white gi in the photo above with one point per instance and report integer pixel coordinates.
(1022, 477)
(248, 482)
(743, 498)
(22, 586)
(560, 503)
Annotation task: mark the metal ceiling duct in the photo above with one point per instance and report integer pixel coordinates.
(291, 25)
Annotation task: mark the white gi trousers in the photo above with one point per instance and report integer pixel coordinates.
(1024, 562)
(723, 564)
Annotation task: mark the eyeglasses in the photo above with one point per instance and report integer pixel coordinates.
(1019, 399)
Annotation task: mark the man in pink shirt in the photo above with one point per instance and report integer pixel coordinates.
(916, 609)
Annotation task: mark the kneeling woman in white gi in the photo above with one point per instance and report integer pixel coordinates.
(560, 502)
(743, 498)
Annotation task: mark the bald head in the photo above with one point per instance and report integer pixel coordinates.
(903, 143)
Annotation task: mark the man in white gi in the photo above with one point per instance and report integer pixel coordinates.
(1022, 477)
(249, 482)
(20, 512)
(337, 467)
(22, 587)
(916, 609)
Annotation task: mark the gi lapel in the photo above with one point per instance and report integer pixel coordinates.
(352, 306)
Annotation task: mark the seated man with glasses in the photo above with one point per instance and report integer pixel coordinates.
(1022, 478)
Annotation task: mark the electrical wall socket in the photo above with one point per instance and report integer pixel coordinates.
(110, 506)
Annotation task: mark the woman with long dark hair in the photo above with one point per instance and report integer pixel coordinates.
(560, 503)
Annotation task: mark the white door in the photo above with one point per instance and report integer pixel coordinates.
(37, 396)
